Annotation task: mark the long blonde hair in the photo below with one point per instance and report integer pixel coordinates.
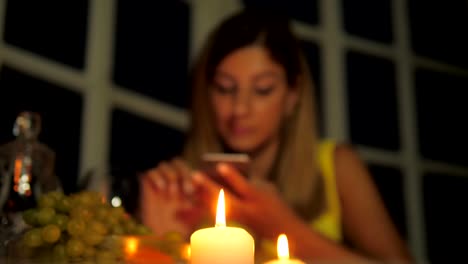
(295, 169)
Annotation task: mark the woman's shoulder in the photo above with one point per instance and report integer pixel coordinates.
(340, 149)
(348, 166)
(339, 156)
(346, 155)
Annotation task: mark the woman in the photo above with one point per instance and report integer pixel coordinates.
(252, 94)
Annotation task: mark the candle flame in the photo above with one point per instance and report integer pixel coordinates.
(186, 252)
(221, 211)
(282, 247)
(131, 246)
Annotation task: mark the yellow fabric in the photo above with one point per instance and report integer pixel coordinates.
(329, 222)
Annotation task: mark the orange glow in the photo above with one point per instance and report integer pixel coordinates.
(186, 251)
(221, 211)
(18, 165)
(282, 247)
(131, 246)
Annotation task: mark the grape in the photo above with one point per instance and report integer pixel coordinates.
(88, 224)
(74, 248)
(45, 215)
(111, 221)
(50, 233)
(59, 252)
(97, 227)
(33, 238)
(105, 256)
(87, 261)
(118, 251)
(76, 227)
(89, 252)
(130, 226)
(98, 198)
(89, 198)
(142, 230)
(118, 212)
(46, 201)
(61, 221)
(63, 205)
(29, 217)
(57, 195)
(102, 212)
(92, 239)
(117, 229)
(81, 212)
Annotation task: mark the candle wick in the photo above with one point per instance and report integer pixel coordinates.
(220, 225)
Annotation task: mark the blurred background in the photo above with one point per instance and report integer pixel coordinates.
(109, 78)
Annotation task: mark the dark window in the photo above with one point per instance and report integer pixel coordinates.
(372, 101)
(138, 144)
(441, 103)
(151, 53)
(53, 29)
(439, 29)
(60, 110)
(369, 19)
(302, 10)
(389, 182)
(446, 217)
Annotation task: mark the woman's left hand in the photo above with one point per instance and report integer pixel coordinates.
(168, 200)
(255, 204)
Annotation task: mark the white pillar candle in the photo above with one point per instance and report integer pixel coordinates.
(283, 252)
(221, 244)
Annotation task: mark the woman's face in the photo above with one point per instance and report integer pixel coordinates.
(250, 98)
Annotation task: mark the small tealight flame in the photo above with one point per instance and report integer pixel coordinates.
(221, 211)
(186, 251)
(283, 247)
(131, 246)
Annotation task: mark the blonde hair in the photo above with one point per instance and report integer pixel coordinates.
(295, 169)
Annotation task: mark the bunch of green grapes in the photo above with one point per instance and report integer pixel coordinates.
(79, 226)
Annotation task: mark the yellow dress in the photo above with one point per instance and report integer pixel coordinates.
(328, 223)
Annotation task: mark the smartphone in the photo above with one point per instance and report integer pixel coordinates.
(239, 161)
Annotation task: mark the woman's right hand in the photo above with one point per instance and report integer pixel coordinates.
(167, 198)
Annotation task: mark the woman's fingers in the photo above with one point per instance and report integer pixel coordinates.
(210, 192)
(185, 172)
(190, 216)
(235, 180)
(155, 178)
(165, 179)
(234, 183)
(205, 183)
(181, 167)
(171, 177)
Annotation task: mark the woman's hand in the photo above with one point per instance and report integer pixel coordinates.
(167, 199)
(255, 204)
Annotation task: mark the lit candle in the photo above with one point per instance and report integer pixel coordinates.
(283, 252)
(141, 249)
(131, 246)
(221, 244)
